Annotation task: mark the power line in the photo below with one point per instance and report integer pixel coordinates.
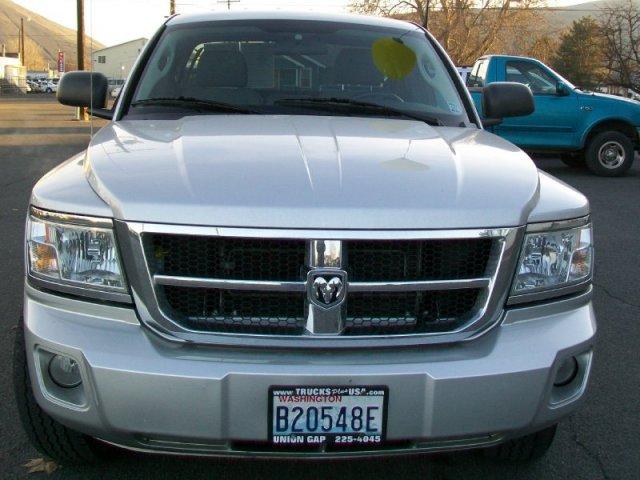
(228, 3)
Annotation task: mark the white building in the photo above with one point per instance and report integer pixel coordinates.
(115, 62)
(13, 76)
(11, 62)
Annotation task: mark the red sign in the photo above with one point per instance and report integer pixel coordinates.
(60, 62)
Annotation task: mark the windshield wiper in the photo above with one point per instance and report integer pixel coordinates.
(193, 104)
(359, 106)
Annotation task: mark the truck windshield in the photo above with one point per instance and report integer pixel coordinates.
(297, 67)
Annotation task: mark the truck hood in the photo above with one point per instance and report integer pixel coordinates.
(608, 97)
(308, 171)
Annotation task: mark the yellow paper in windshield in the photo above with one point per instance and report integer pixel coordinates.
(393, 58)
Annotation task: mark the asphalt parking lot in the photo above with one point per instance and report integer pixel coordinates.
(600, 442)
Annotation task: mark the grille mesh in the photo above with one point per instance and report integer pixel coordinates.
(412, 260)
(228, 258)
(237, 311)
(408, 312)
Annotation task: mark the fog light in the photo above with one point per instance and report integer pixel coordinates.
(567, 372)
(64, 371)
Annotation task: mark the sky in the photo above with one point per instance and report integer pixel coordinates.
(115, 21)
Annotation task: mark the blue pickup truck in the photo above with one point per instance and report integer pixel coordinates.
(601, 131)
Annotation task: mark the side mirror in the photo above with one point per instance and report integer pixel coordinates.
(561, 89)
(506, 99)
(85, 89)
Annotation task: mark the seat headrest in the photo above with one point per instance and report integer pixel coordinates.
(354, 66)
(221, 68)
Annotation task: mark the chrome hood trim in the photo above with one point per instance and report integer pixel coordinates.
(314, 172)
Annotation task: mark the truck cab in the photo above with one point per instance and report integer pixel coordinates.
(583, 127)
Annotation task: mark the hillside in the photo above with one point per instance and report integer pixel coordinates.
(564, 16)
(43, 38)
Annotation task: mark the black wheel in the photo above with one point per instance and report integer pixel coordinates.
(48, 90)
(609, 154)
(48, 436)
(573, 160)
(530, 447)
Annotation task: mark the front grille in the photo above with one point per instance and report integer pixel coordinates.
(259, 302)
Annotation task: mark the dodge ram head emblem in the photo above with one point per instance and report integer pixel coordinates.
(326, 288)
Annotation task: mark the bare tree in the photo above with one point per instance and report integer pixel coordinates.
(390, 8)
(620, 24)
(467, 29)
(543, 47)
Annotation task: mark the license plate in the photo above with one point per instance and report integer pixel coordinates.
(327, 415)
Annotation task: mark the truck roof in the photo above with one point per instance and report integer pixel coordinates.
(519, 57)
(288, 15)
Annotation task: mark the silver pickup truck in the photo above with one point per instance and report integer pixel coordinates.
(295, 238)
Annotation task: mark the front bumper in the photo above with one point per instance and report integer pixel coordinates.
(142, 392)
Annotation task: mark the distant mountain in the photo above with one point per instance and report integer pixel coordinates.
(43, 38)
(561, 17)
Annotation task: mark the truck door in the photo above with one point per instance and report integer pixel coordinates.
(553, 124)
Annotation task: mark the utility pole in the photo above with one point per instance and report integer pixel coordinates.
(80, 38)
(228, 2)
(172, 7)
(21, 47)
(82, 112)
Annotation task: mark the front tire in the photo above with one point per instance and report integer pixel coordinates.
(610, 154)
(524, 449)
(48, 436)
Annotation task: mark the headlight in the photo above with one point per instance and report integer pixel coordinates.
(553, 260)
(75, 254)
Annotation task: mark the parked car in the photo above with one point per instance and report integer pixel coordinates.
(589, 128)
(302, 244)
(49, 86)
(115, 83)
(34, 87)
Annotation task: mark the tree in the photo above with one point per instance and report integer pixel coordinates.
(620, 24)
(390, 8)
(543, 47)
(580, 56)
(466, 29)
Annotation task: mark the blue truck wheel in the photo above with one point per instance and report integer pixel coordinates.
(610, 154)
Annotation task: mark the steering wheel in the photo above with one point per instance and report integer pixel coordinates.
(374, 96)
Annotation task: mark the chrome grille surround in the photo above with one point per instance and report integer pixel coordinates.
(144, 285)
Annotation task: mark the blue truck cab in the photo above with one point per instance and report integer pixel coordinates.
(582, 127)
